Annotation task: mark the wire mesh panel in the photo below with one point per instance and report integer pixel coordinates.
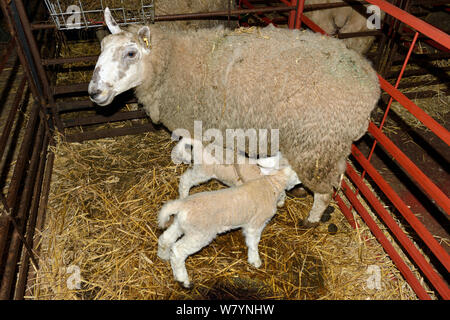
(77, 14)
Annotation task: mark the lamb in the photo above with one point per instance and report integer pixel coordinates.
(314, 90)
(211, 168)
(200, 217)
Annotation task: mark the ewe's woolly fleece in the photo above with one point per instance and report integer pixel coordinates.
(318, 93)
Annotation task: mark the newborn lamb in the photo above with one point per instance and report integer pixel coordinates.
(211, 168)
(200, 217)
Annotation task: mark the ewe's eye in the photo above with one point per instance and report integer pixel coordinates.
(131, 54)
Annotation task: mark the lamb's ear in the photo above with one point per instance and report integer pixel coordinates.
(269, 162)
(144, 37)
(111, 23)
(267, 171)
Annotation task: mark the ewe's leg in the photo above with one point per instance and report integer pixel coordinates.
(167, 239)
(252, 237)
(321, 202)
(183, 248)
(190, 178)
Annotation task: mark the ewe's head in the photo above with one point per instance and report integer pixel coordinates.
(120, 65)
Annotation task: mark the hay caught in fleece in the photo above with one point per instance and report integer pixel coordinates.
(102, 219)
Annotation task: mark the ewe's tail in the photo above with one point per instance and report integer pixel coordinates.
(169, 209)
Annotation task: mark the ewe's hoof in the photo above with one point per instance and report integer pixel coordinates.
(326, 216)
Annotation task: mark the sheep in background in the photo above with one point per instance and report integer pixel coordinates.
(343, 20)
(314, 90)
(211, 168)
(200, 217)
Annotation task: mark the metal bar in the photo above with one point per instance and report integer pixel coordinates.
(416, 23)
(422, 180)
(56, 61)
(19, 9)
(292, 14)
(7, 53)
(4, 231)
(35, 61)
(415, 72)
(428, 121)
(9, 273)
(371, 33)
(420, 229)
(376, 231)
(21, 162)
(30, 227)
(44, 199)
(97, 119)
(346, 211)
(70, 88)
(116, 132)
(12, 115)
(75, 105)
(418, 258)
(422, 83)
(20, 52)
(399, 78)
(299, 13)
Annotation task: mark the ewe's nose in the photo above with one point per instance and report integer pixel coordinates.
(94, 94)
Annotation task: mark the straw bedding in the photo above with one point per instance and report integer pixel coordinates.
(101, 217)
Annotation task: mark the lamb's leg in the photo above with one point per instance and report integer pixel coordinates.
(167, 239)
(190, 178)
(281, 199)
(183, 248)
(321, 202)
(252, 237)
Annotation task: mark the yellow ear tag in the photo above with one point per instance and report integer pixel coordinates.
(147, 43)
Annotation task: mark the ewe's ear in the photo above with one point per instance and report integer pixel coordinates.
(144, 37)
(111, 23)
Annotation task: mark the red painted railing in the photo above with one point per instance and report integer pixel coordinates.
(402, 160)
(431, 190)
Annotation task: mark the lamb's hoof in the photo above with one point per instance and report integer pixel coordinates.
(186, 285)
(307, 224)
(256, 264)
(163, 254)
(298, 192)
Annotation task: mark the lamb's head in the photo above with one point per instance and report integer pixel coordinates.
(277, 164)
(120, 65)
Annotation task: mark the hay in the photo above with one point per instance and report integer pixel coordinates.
(102, 212)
